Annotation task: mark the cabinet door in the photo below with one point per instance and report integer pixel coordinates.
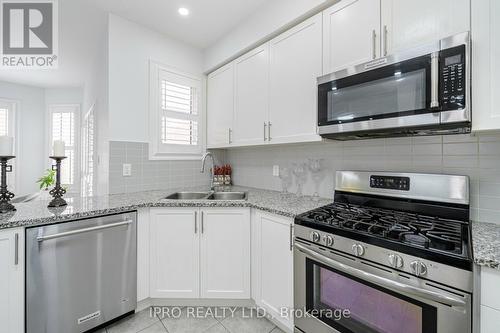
(225, 253)
(220, 105)
(251, 97)
(295, 63)
(274, 264)
(351, 34)
(409, 23)
(486, 65)
(490, 320)
(174, 253)
(12, 281)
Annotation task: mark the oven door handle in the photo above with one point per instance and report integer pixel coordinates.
(381, 281)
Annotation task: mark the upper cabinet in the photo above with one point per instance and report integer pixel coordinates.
(251, 89)
(485, 64)
(351, 34)
(295, 63)
(408, 23)
(356, 31)
(220, 106)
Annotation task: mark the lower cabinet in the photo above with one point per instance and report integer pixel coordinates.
(490, 302)
(199, 253)
(12, 281)
(272, 258)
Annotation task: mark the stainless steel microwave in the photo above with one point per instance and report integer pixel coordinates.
(423, 91)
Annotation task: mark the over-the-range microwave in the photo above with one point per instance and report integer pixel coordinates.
(423, 91)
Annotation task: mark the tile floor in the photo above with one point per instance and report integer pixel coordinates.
(233, 320)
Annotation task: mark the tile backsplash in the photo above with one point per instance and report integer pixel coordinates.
(475, 156)
(147, 174)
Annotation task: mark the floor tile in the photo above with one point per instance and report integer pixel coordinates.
(246, 321)
(219, 328)
(187, 323)
(134, 323)
(155, 328)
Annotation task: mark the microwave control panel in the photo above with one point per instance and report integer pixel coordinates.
(390, 183)
(453, 78)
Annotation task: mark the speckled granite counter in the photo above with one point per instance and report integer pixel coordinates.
(486, 243)
(37, 213)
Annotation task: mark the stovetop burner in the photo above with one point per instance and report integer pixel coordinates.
(416, 230)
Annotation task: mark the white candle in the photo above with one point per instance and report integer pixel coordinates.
(6, 145)
(59, 148)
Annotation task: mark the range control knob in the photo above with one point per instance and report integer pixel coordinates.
(315, 236)
(418, 268)
(358, 250)
(395, 260)
(328, 240)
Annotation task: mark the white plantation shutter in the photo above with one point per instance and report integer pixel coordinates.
(7, 127)
(176, 116)
(4, 121)
(63, 123)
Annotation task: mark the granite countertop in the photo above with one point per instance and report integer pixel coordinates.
(36, 212)
(486, 244)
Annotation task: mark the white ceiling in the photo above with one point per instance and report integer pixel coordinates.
(82, 27)
(208, 21)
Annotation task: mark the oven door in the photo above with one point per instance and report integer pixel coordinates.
(337, 293)
(401, 93)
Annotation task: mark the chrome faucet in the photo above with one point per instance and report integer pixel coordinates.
(203, 159)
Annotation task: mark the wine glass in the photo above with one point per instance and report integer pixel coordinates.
(299, 170)
(286, 178)
(315, 168)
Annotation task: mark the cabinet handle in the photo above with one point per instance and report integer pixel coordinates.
(202, 223)
(265, 125)
(385, 40)
(374, 44)
(16, 249)
(268, 131)
(291, 237)
(434, 80)
(195, 222)
(229, 135)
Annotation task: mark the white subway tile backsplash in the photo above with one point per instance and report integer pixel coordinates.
(475, 156)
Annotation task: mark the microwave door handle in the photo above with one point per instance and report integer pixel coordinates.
(435, 80)
(381, 281)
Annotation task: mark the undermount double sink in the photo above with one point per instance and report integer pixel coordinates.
(185, 195)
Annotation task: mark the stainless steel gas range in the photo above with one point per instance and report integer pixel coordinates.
(391, 254)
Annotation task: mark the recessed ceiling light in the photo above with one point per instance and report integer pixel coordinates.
(183, 11)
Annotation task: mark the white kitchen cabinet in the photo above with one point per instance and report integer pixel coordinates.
(143, 235)
(225, 253)
(174, 253)
(409, 23)
(200, 253)
(486, 65)
(490, 303)
(273, 264)
(12, 280)
(351, 34)
(220, 106)
(251, 103)
(295, 63)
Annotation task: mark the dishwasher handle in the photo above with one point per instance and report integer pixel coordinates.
(42, 238)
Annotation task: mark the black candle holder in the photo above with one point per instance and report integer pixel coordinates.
(5, 195)
(58, 191)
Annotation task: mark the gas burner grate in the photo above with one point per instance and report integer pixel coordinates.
(408, 228)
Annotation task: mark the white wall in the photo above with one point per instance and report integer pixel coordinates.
(30, 159)
(131, 46)
(272, 17)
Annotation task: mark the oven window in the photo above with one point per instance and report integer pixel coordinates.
(371, 309)
(397, 93)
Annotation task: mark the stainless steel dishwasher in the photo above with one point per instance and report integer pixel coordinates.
(80, 274)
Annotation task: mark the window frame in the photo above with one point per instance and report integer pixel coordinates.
(157, 149)
(76, 186)
(13, 125)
